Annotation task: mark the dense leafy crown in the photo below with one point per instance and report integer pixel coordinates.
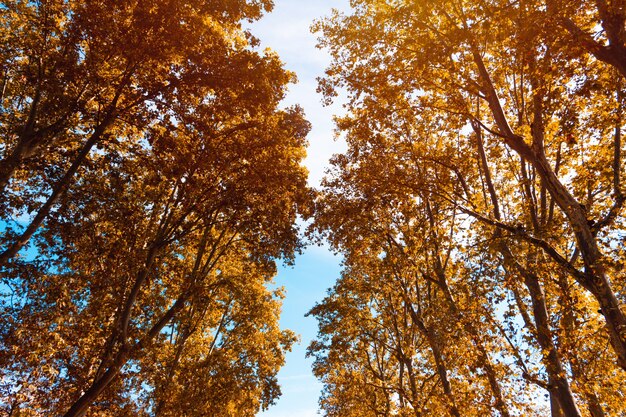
(479, 208)
(149, 183)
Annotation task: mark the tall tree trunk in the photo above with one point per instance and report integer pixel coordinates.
(440, 363)
(555, 407)
(204, 263)
(483, 356)
(11, 163)
(485, 362)
(595, 279)
(578, 371)
(80, 407)
(559, 385)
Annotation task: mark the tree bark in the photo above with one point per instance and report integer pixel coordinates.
(558, 383)
(440, 362)
(80, 407)
(470, 329)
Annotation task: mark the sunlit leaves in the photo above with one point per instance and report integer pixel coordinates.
(144, 144)
(484, 156)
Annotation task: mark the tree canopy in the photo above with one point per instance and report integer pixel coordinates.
(150, 184)
(151, 180)
(479, 208)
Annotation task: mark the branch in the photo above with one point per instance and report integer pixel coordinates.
(521, 233)
(619, 196)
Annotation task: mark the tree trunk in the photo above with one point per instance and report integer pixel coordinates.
(596, 280)
(555, 408)
(10, 164)
(558, 382)
(483, 356)
(440, 362)
(559, 385)
(578, 371)
(80, 407)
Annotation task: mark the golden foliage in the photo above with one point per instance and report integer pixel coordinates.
(155, 182)
(479, 210)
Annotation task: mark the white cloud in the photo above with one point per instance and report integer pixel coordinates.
(286, 30)
(305, 412)
(300, 377)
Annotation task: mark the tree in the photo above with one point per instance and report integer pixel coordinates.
(144, 291)
(480, 61)
(392, 216)
(459, 105)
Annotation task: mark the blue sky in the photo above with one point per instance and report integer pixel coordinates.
(306, 283)
(286, 30)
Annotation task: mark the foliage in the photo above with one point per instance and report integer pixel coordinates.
(151, 183)
(479, 210)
